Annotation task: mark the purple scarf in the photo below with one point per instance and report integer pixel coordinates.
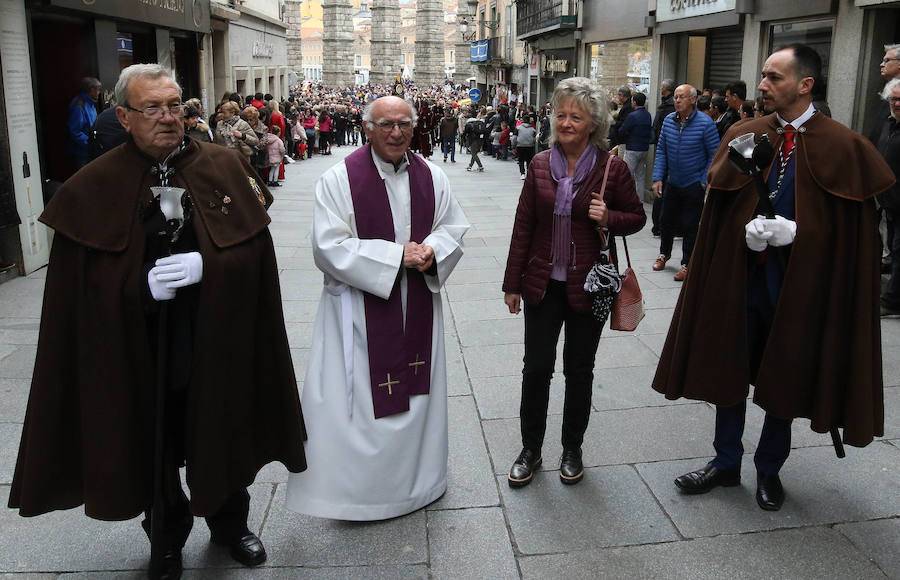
(566, 188)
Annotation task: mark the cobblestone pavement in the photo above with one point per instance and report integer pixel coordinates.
(625, 520)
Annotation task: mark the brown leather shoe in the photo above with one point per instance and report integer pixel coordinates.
(660, 263)
(682, 274)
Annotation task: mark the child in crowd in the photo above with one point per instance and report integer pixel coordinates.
(275, 148)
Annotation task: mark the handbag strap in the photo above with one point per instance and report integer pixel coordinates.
(627, 257)
(602, 193)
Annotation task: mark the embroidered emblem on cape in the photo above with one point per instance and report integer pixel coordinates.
(255, 187)
(226, 199)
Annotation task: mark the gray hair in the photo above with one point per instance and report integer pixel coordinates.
(367, 112)
(591, 98)
(895, 48)
(668, 84)
(889, 88)
(144, 71)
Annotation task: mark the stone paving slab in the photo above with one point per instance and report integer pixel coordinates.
(508, 330)
(19, 364)
(482, 276)
(10, 436)
(628, 388)
(300, 310)
(623, 351)
(476, 291)
(294, 539)
(470, 482)
(14, 394)
(21, 297)
(494, 360)
(500, 397)
(610, 507)
(479, 310)
(299, 334)
(457, 378)
(314, 573)
(891, 365)
(878, 540)
(654, 342)
(892, 413)
(820, 489)
(811, 553)
(15, 331)
(469, 544)
(890, 332)
(300, 356)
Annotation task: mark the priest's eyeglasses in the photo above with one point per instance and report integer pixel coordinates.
(386, 126)
(155, 113)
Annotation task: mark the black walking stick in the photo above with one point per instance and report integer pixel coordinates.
(751, 159)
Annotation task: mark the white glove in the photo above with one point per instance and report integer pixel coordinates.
(158, 287)
(783, 231)
(756, 235)
(179, 270)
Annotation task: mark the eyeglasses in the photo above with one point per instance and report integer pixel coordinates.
(156, 113)
(386, 126)
(887, 60)
(894, 99)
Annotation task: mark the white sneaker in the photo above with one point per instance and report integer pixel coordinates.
(522, 177)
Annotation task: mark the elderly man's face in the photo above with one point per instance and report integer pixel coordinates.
(155, 137)
(890, 65)
(685, 100)
(894, 101)
(391, 129)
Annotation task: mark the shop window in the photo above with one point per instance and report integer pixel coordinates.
(622, 63)
(815, 33)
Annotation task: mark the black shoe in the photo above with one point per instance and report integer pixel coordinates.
(769, 492)
(167, 568)
(706, 478)
(571, 470)
(523, 469)
(248, 549)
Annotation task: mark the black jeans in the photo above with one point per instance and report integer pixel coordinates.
(543, 322)
(891, 296)
(683, 206)
(525, 155)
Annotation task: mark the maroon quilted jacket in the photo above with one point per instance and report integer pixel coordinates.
(528, 266)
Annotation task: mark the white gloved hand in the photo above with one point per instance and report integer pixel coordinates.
(783, 231)
(179, 270)
(756, 235)
(158, 287)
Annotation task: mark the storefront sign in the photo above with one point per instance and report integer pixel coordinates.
(180, 14)
(863, 3)
(677, 9)
(552, 66)
(25, 169)
(263, 49)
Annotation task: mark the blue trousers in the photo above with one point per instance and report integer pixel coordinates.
(448, 144)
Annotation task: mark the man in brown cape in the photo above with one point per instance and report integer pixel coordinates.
(231, 401)
(789, 304)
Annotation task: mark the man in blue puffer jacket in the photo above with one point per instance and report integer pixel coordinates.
(684, 150)
(82, 114)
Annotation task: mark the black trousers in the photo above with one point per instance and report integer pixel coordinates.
(683, 206)
(525, 155)
(543, 322)
(775, 439)
(229, 524)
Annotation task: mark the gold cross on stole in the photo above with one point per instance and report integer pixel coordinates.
(389, 383)
(416, 364)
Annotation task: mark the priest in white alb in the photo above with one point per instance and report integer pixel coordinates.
(386, 233)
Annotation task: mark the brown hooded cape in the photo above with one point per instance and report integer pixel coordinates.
(822, 360)
(88, 433)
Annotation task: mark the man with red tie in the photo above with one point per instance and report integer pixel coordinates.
(790, 303)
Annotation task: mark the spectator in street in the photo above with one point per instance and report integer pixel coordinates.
(525, 141)
(684, 151)
(560, 230)
(623, 99)
(82, 114)
(544, 130)
(275, 152)
(635, 134)
(784, 304)
(138, 373)
(339, 122)
(759, 108)
(704, 105)
(665, 107)
(474, 136)
(887, 228)
(260, 157)
(735, 97)
(717, 111)
(234, 132)
(747, 110)
(447, 132)
(888, 144)
(106, 134)
(324, 133)
(309, 125)
(299, 139)
(276, 119)
(257, 101)
(194, 127)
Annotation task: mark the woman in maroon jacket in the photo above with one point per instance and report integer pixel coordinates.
(555, 241)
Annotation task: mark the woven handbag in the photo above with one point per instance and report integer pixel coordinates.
(628, 305)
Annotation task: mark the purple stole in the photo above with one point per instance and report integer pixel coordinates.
(399, 360)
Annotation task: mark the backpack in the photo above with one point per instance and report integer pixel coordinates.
(477, 128)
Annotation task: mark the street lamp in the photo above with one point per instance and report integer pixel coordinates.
(492, 25)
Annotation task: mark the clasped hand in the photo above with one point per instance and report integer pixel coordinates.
(173, 272)
(762, 232)
(418, 256)
(598, 210)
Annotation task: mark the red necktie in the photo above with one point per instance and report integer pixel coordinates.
(789, 133)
